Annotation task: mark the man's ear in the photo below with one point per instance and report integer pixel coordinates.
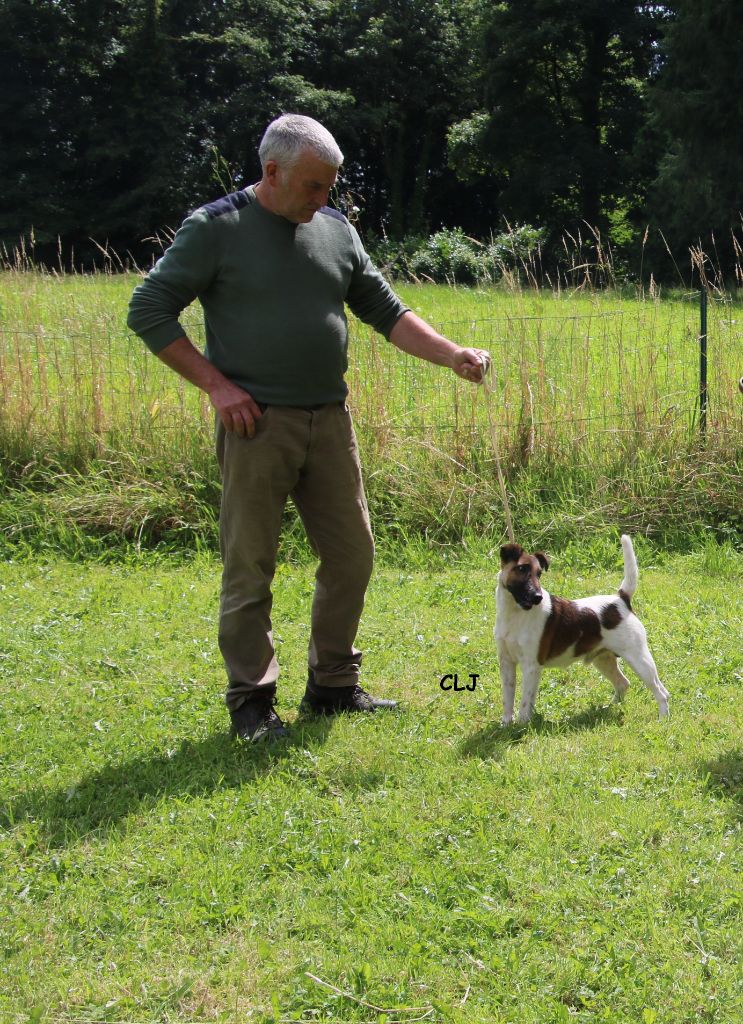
(510, 553)
(271, 172)
(542, 559)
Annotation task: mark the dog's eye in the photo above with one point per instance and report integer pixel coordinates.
(522, 568)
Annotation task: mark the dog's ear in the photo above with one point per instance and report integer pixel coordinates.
(542, 559)
(510, 553)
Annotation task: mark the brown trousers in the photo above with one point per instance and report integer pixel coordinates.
(312, 457)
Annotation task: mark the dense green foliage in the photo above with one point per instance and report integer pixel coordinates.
(563, 91)
(118, 117)
(696, 102)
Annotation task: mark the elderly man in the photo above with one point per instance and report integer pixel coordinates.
(273, 268)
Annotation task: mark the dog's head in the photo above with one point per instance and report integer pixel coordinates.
(520, 574)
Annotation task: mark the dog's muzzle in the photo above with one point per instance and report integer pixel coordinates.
(526, 599)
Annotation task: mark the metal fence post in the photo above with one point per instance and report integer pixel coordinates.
(703, 361)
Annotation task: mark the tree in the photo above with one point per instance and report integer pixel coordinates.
(136, 141)
(408, 67)
(698, 111)
(563, 94)
(97, 114)
(119, 115)
(44, 105)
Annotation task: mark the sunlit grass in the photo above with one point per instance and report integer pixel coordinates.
(586, 869)
(595, 404)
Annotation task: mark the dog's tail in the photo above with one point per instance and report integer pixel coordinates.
(631, 575)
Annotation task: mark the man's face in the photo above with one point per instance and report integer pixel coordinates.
(298, 192)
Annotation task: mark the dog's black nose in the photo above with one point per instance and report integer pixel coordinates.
(537, 598)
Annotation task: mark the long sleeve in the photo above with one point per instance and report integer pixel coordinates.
(369, 296)
(183, 273)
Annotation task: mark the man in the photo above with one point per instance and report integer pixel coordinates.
(273, 268)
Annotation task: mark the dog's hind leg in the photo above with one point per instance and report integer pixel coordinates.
(607, 665)
(641, 662)
(508, 686)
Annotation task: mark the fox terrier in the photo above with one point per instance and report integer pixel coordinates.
(536, 630)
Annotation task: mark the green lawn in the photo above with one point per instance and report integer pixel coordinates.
(424, 862)
(419, 865)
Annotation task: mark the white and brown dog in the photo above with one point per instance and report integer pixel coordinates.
(536, 630)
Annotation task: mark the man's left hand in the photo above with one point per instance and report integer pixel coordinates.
(471, 364)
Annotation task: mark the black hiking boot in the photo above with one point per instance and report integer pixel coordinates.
(331, 700)
(255, 721)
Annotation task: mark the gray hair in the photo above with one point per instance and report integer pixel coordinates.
(290, 135)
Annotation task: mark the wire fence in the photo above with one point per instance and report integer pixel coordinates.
(585, 379)
(577, 379)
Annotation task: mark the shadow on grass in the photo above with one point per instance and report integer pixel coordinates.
(100, 800)
(723, 776)
(494, 740)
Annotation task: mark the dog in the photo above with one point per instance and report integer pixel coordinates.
(537, 631)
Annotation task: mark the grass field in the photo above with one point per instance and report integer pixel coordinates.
(589, 358)
(421, 865)
(594, 406)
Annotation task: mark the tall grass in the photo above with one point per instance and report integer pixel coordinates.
(595, 400)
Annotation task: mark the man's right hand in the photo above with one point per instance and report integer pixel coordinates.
(237, 409)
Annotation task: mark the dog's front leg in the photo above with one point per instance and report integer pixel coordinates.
(508, 685)
(530, 673)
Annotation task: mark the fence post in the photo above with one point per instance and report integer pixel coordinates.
(703, 361)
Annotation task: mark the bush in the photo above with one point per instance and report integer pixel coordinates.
(513, 249)
(393, 257)
(450, 257)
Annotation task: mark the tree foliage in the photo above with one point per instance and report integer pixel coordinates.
(562, 98)
(697, 113)
(120, 115)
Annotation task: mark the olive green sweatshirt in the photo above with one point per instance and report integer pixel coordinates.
(273, 295)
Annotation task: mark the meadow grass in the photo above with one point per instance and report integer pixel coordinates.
(594, 403)
(420, 865)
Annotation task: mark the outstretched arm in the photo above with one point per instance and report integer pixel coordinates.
(415, 336)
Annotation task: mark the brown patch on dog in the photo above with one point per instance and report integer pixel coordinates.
(625, 597)
(567, 625)
(611, 616)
